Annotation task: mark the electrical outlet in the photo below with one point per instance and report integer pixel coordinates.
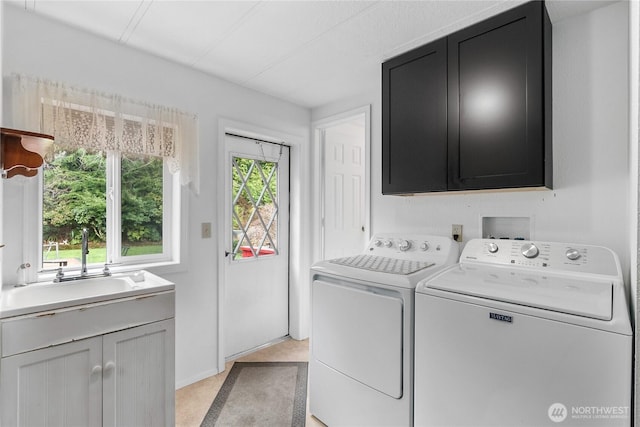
(206, 230)
(456, 232)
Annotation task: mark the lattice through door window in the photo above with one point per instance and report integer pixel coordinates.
(255, 208)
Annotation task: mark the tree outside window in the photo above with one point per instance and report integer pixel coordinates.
(75, 192)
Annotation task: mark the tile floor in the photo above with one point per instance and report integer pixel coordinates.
(193, 401)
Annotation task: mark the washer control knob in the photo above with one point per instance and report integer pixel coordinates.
(404, 245)
(388, 243)
(493, 248)
(424, 246)
(573, 254)
(377, 242)
(529, 250)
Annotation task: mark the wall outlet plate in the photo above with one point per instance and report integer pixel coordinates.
(456, 232)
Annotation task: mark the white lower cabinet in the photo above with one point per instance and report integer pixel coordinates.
(56, 386)
(138, 384)
(120, 378)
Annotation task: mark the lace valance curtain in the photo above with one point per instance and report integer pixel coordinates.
(98, 121)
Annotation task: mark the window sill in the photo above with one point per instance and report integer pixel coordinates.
(159, 268)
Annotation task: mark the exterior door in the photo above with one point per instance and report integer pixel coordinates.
(344, 189)
(256, 288)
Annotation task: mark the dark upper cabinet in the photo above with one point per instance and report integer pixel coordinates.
(499, 81)
(414, 121)
(497, 123)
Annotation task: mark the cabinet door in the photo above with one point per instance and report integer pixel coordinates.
(56, 386)
(139, 378)
(496, 101)
(414, 121)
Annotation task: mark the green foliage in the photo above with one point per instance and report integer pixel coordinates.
(75, 197)
(254, 186)
(141, 199)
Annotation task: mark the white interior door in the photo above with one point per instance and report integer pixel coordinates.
(256, 288)
(344, 189)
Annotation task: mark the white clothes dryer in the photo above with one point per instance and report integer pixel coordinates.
(524, 334)
(361, 346)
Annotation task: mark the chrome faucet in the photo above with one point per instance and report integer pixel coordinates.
(85, 250)
(84, 274)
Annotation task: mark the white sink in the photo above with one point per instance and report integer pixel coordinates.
(40, 297)
(50, 293)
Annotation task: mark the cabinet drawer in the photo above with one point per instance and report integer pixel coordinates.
(26, 333)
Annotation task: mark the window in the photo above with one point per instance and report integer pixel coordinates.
(141, 206)
(73, 198)
(116, 171)
(120, 199)
(124, 201)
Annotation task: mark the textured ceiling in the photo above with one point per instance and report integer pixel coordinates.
(308, 52)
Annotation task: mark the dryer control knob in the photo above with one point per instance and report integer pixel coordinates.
(388, 244)
(404, 245)
(424, 246)
(572, 254)
(529, 250)
(493, 248)
(378, 242)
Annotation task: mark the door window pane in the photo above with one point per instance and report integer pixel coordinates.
(255, 208)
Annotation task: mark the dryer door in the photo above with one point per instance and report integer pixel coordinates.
(357, 331)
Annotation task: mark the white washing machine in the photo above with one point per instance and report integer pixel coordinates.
(361, 352)
(524, 334)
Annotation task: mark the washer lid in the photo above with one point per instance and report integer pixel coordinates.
(588, 298)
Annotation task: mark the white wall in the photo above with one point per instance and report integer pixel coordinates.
(44, 48)
(589, 203)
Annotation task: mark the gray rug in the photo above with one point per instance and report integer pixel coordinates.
(270, 394)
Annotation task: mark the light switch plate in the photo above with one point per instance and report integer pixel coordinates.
(206, 230)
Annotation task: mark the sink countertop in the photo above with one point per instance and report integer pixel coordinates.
(48, 296)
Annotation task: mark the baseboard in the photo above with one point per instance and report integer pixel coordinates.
(194, 379)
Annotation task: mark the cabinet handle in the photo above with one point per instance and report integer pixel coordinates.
(96, 370)
(109, 366)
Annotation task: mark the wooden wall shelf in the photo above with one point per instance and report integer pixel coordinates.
(22, 152)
